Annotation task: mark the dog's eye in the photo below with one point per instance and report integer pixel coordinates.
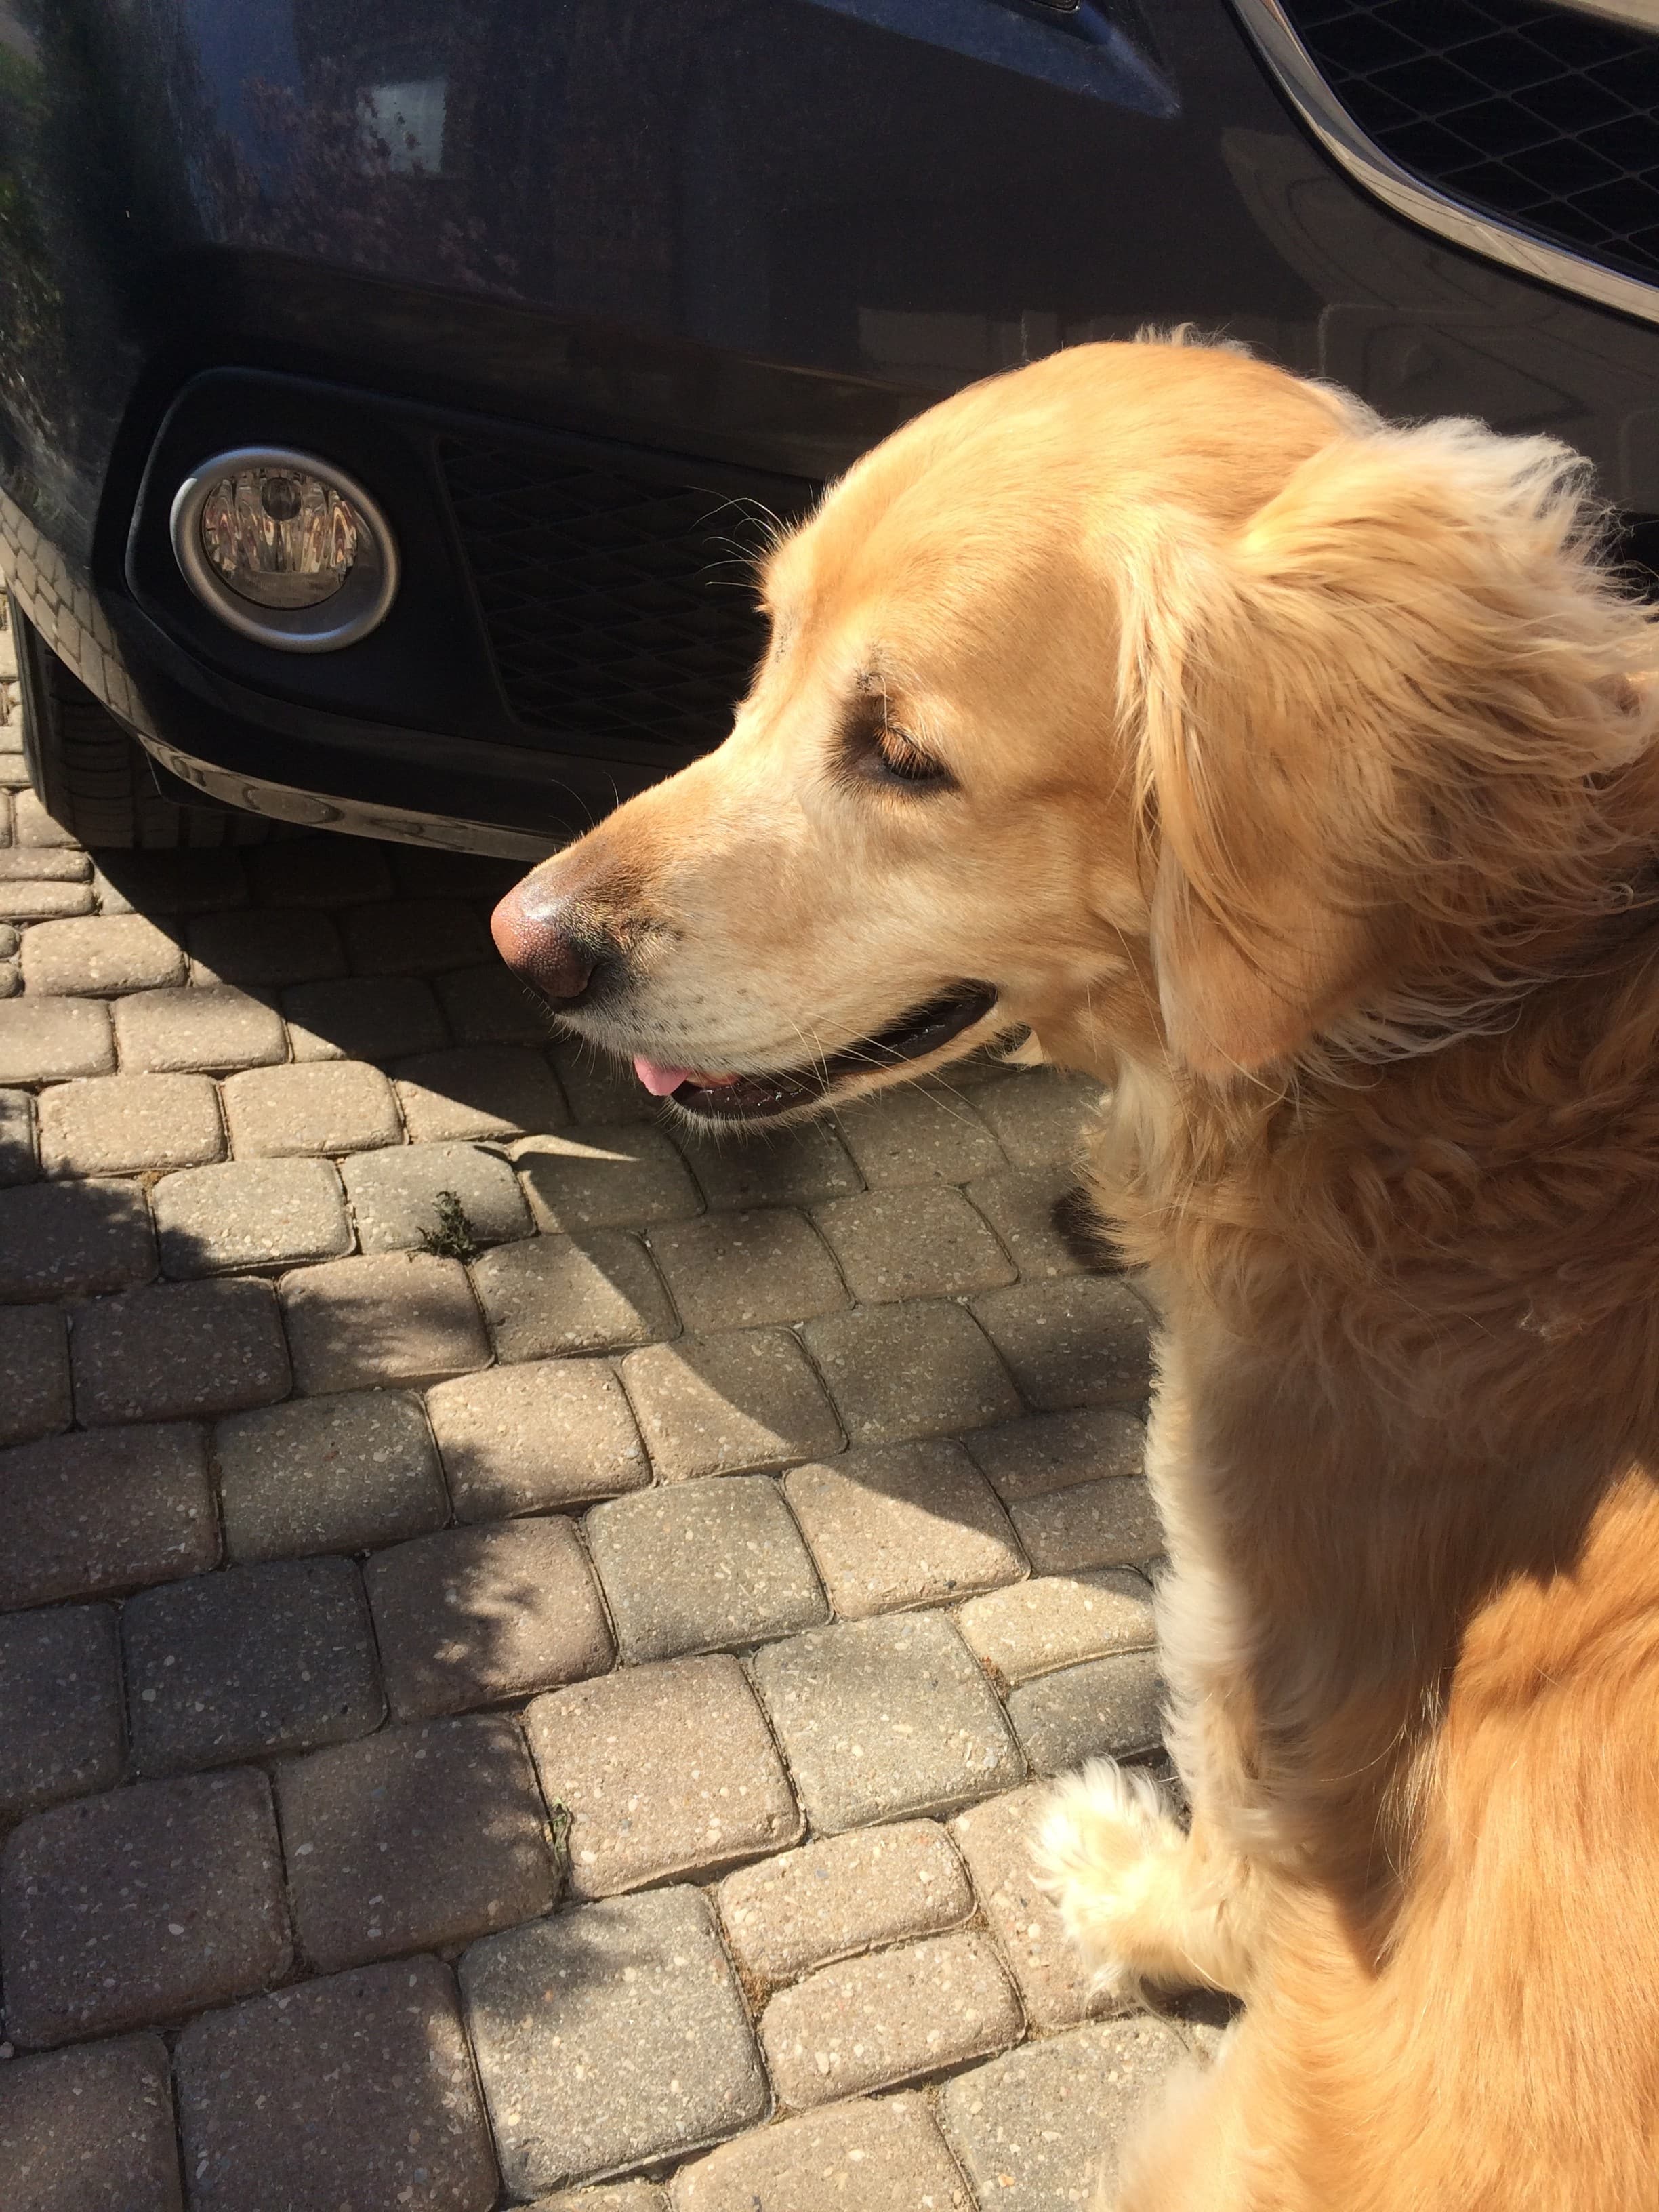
(899, 759)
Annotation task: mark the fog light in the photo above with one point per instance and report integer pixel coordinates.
(285, 549)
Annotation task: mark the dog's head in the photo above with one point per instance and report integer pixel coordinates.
(1148, 698)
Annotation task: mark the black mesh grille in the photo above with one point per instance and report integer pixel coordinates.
(619, 605)
(1547, 119)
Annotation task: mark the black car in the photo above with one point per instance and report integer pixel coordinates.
(394, 394)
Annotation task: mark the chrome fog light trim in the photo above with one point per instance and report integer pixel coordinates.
(364, 550)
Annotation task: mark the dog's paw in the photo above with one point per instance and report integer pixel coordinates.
(1107, 1853)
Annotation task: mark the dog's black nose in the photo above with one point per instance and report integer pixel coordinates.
(542, 937)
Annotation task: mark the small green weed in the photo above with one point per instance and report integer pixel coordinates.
(453, 1238)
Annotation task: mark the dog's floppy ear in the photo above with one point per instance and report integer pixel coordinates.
(1372, 705)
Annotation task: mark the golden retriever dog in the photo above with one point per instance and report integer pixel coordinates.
(1297, 775)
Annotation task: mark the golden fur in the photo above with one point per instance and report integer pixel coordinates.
(1305, 789)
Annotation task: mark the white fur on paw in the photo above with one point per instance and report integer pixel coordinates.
(1108, 1832)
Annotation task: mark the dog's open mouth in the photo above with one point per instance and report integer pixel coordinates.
(750, 1097)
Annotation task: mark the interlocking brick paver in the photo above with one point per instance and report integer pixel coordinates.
(17, 1159)
(35, 826)
(203, 1026)
(175, 1349)
(597, 1292)
(633, 1994)
(844, 1894)
(549, 1432)
(413, 937)
(489, 1005)
(42, 864)
(1019, 1205)
(129, 1124)
(916, 1136)
(249, 1213)
(84, 1514)
(739, 1270)
(323, 871)
(35, 1373)
(799, 1166)
(73, 1240)
(326, 1106)
(140, 1905)
(599, 1088)
(90, 2130)
(1111, 1523)
(434, 871)
(626, 2197)
(266, 945)
(394, 1194)
(1046, 1452)
(702, 1567)
(665, 1769)
(1058, 1620)
(912, 1241)
(414, 1838)
(882, 1718)
(1106, 1707)
(1085, 1341)
(469, 1616)
(605, 1177)
(896, 2016)
(720, 1405)
(170, 883)
(921, 1369)
(878, 2152)
(1040, 1118)
(60, 1708)
(327, 1474)
(904, 1524)
(385, 1317)
(46, 1039)
(998, 1840)
(252, 1660)
(363, 1018)
(356, 2091)
(101, 956)
(1040, 2127)
(478, 1091)
(39, 898)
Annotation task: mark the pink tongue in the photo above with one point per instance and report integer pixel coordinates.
(660, 1081)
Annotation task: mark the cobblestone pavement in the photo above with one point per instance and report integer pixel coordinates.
(476, 1725)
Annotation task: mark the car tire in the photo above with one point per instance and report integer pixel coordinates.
(95, 779)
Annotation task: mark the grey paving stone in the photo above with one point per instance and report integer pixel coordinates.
(1040, 2128)
(215, 1027)
(324, 870)
(46, 1040)
(844, 1894)
(8, 940)
(478, 1091)
(86, 1515)
(129, 1124)
(60, 1709)
(413, 1837)
(326, 1106)
(635, 1994)
(271, 946)
(924, 1369)
(385, 1317)
(1046, 1452)
(913, 1135)
(1041, 1118)
(883, 2152)
(36, 898)
(17, 1159)
(33, 825)
(249, 1213)
(394, 1194)
(327, 1474)
(35, 1373)
(199, 882)
(1086, 1342)
(898, 2016)
(912, 1242)
(363, 1018)
(620, 1176)
(599, 1088)
(549, 1432)
(998, 1840)
(742, 1270)
(73, 1240)
(665, 1769)
(626, 2197)
(351, 2095)
(43, 864)
(720, 1405)
(140, 1905)
(90, 2130)
(177, 1350)
(489, 1005)
(799, 1166)
(595, 1292)
(1106, 1707)
(467, 1617)
(1019, 1205)
(904, 1524)
(1058, 1620)
(882, 1718)
(709, 1567)
(413, 937)
(1111, 1523)
(249, 1661)
(101, 956)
